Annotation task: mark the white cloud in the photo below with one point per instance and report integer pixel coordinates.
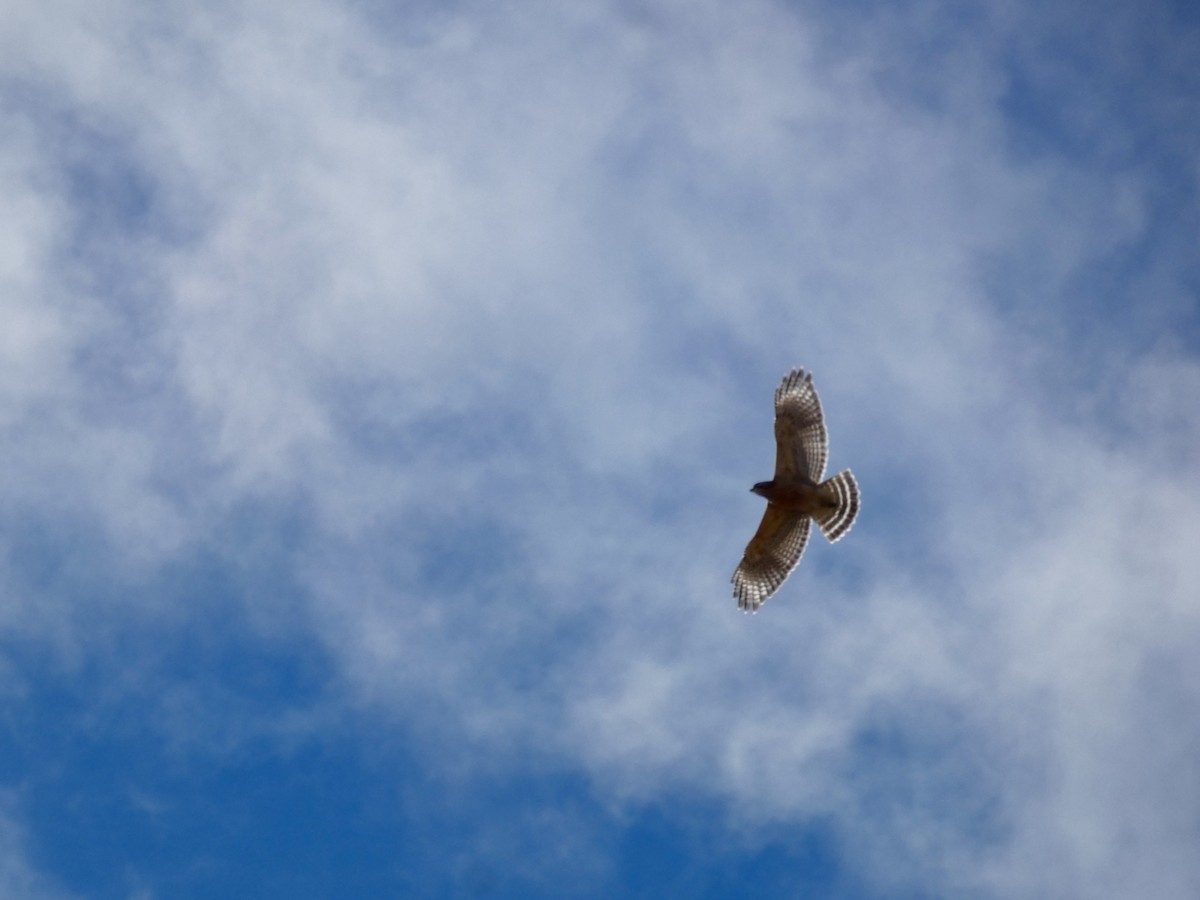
(502, 303)
(19, 878)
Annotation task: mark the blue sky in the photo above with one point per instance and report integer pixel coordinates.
(381, 385)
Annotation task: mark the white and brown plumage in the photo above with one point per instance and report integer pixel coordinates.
(795, 496)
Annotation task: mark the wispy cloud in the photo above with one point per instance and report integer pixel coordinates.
(19, 878)
(462, 326)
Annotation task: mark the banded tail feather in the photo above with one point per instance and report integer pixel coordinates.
(843, 489)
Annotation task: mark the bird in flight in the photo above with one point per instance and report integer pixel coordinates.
(795, 496)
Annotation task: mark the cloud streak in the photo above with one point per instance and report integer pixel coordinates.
(463, 327)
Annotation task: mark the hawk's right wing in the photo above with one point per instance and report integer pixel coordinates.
(770, 556)
(801, 442)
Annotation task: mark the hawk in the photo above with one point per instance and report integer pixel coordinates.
(795, 496)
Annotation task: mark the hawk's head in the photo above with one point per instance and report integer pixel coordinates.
(762, 488)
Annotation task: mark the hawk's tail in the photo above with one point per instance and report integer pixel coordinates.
(842, 489)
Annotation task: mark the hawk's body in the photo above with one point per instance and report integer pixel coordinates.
(795, 496)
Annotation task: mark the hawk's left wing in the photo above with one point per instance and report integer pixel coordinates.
(801, 442)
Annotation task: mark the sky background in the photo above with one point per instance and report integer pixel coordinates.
(381, 384)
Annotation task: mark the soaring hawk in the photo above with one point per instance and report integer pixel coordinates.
(795, 496)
